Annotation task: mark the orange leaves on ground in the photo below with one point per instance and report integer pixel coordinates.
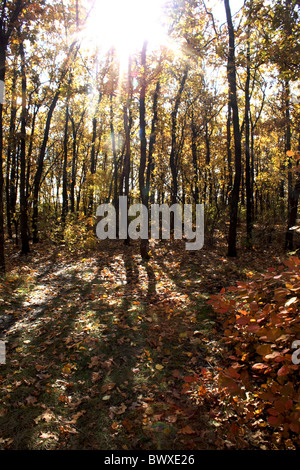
(261, 320)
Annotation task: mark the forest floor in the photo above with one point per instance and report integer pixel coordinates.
(107, 351)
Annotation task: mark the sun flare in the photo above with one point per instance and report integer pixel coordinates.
(125, 25)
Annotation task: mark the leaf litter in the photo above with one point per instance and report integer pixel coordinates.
(109, 352)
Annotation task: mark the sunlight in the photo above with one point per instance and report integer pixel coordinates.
(125, 25)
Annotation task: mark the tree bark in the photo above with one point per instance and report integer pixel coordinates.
(144, 245)
(249, 195)
(174, 153)
(65, 205)
(127, 119)
(23, 198)
(231, 76)
(11, 149)
(3, 49)
(292, 201)
(39, 170)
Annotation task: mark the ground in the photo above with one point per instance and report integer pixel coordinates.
(107, 351)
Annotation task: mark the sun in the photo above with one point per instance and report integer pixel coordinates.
(126, 24)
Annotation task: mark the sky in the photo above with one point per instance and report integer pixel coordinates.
(126, 24)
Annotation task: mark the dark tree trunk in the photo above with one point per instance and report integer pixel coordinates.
(195, 160)
(144, 245)
(23, 198)
(249, 195)
(292, 194)
(93, 164)
(39, 170)
(11, 150)
(3, 48)
(229, 152)
(231, 76)
(174, 153)
(75, 129)
(65, 205)
(152, 139)
(127, 117)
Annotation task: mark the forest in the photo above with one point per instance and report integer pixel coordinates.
(138, 342)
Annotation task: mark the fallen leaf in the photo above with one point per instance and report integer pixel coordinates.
(284, 370)
(107, 387)
(96, 376)
(106, 397)
(48, 435)
(186, 430)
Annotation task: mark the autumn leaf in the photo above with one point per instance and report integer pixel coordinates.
(96, 376)
(284, 370)
(107, 387)
(264, 349)
(259, 366)
(186, 430)
(190, 378)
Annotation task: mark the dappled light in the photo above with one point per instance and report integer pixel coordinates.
(149, 228)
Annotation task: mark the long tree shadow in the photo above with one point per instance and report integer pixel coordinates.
(92, 367)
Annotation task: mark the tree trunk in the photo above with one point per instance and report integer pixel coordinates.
(39, 170)
(11, 149)
(23, 198)
(249, 195)
(127, 118)
(231, 76)
(74, 168)
(3, 48)
(292, 194)
(229, 152)
(174, 153)
(144, 245)
(65, 170)
(195, 186)
(152, 139)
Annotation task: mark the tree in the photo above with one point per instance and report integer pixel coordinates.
(23, 197)
(231, 77)
(71, 54)
(9, 17)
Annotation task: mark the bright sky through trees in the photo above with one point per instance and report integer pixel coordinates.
(126, 24)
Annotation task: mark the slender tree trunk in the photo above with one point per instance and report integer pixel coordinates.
(127, 117)
(115, 165)
(3, 48)
(65, 170)
(144, 245)
(75, 129)
(35, 112)
(292, 194)
(229, 152)
(231, 76)
(11, 148)
(74, 168)
(23, 199)
(249, 195)
(6, 28)
(152, 140)
(174, 153)
(93, 164)
(39, 170)
(195, 160)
